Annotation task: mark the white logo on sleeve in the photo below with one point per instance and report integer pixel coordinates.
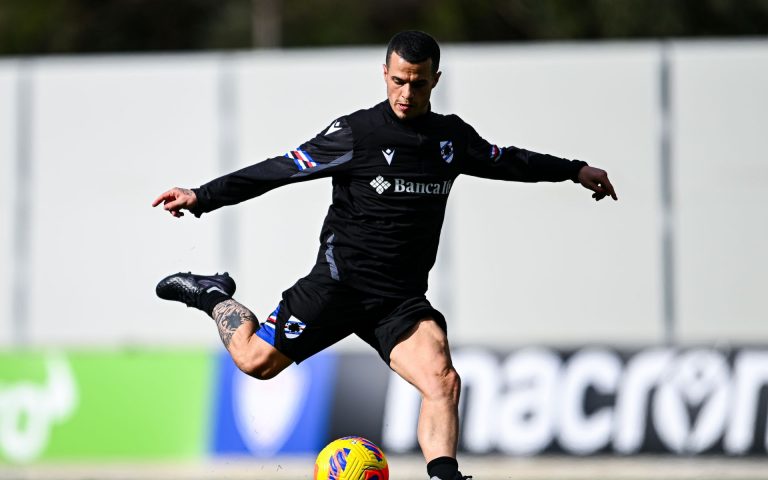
(335, 127)
(389, 153)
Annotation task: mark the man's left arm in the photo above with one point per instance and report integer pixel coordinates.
(516, 164)
(596, 180)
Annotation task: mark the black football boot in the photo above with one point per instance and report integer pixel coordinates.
(189, 288)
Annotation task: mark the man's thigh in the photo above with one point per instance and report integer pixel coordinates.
(394, 319)
(422, 354)
(314, 314)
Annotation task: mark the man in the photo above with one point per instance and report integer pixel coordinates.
(392, 166)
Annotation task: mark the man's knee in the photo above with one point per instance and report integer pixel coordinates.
(259, 365)
(445, 384)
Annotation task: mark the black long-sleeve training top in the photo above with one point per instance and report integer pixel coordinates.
(391, 180)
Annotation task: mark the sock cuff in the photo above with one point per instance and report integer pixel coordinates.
(443, 467)
(442, 461)
(209, 300)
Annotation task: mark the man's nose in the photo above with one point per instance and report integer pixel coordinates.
(406, 91)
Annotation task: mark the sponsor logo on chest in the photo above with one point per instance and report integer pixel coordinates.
(401, 185)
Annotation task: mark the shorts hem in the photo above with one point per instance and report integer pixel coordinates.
(407, 323)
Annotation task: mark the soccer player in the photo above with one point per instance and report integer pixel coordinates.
(393, 166)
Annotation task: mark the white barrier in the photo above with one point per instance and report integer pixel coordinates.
(721, 185)
(519, 263)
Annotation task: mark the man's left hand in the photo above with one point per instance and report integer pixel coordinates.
(596, 180)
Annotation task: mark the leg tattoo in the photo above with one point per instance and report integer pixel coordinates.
(229, 315)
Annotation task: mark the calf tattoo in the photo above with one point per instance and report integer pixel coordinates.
(229, 315)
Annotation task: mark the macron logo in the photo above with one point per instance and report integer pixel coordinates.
(335, 127)
(388, 154)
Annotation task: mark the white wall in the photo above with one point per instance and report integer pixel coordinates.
(721, 187)
(110, 135)
(519, 263)
(541, 262)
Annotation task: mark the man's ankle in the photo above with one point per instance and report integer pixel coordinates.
(443, 468)
(209, 300)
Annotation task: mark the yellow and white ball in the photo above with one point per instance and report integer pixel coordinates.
(351, 458)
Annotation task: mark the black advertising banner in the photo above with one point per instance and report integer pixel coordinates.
(359, 396)
(585, 401)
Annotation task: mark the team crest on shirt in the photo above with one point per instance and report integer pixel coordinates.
(446, 151)
(293, 328)
(301, 158)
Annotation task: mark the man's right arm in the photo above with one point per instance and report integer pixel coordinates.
(326, 154)
(175, 200)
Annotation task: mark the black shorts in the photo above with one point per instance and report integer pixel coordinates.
(318, 311)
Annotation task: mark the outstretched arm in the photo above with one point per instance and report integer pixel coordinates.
(176, 199)
(325, 155)
(596, 180)
(516, 164)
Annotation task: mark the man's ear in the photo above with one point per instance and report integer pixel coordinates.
(386, 70)
(437, 79)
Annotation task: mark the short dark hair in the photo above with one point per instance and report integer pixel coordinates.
(415, 47)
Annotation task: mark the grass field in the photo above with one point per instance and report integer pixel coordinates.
(412, 468)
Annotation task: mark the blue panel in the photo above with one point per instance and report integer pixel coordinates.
(305, 428)
(226, 438)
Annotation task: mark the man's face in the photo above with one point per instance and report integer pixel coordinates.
(409, 86)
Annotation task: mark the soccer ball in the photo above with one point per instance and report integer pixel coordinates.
(351, 458)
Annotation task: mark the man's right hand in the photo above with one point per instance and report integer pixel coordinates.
(176, 199)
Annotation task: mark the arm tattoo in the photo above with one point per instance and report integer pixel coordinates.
(229, 315)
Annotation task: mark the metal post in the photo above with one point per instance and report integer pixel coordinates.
(667, 199)
(22, 209)
(227, 161)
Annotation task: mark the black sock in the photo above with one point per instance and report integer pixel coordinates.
(210, 299)
(444, 468)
